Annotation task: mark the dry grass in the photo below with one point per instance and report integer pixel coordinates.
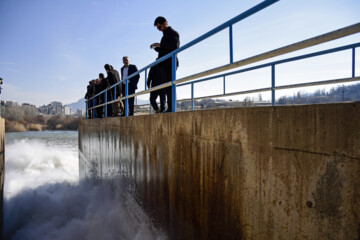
(34, 127)
(14, 127)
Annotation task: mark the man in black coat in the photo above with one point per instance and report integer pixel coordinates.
(99, 110)
(169, 42)
(87, 97)
(89, 94)
(155, 79)
(111, 78)
(126, 71)
(104, 84)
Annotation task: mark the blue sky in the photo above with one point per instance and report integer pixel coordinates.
(49, 49)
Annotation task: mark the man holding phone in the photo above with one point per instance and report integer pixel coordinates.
(169, 42)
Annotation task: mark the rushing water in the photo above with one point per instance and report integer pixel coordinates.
(45, 200)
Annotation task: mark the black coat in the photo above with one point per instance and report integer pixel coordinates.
(97, 90)
(170, 41)
(133, 82)
(87, 95)
(111, 77)
(155, 76)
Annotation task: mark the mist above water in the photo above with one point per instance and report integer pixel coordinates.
(44, 200)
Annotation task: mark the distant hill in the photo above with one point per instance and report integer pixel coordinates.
(80, 104)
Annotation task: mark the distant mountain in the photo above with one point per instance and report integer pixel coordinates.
(80, 104)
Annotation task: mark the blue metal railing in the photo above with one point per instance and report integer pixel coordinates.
(272, 65)
(173, 54)
(186, 81)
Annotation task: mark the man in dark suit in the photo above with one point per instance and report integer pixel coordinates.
(111, 80)
(87, 97)
(126, 71)
(169, 42)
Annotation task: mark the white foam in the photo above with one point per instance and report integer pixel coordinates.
(45, 200)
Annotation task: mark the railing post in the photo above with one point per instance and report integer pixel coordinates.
(231, 44)
(273, 85)
(126, 99)
(100, 103)
(93, 109)
(86, 107)
(173, 86)
(192, 96)
(224, 84)
(353, 62)
(105, 112)
(145, 79)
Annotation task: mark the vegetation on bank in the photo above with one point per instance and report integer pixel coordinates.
(41, 123)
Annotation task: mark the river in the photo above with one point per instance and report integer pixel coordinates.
(44, 199)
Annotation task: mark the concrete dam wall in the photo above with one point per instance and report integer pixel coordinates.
(2, 170)
(289, 172)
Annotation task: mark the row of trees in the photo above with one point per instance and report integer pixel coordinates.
(336, 94)
(16, 112)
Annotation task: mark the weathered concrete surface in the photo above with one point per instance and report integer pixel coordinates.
(290, 172)
(2, 170)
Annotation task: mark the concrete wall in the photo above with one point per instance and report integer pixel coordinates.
(290, 172)
(2, 169)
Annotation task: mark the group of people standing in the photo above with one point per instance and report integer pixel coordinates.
(158, 74)
(102, 83)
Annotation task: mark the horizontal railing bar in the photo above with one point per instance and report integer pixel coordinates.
(232, 21)
(329, 51)
(309, 55)
(346, 31)
(317, 83)
(227, 94)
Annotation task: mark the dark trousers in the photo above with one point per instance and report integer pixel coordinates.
(167, 75)
(153, 97)
(131, 101)
(99, 112)
(109, 106)
(89, 112)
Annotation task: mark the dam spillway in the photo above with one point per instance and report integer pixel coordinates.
(285, 172)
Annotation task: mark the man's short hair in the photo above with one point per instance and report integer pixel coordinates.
(101, 75)
(125, 57)
(107, 67)
(159, 20)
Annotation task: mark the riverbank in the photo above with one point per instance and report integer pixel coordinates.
(41, 123)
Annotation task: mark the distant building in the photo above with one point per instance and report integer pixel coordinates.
(55, 104)
(43, 109)
(66, 110)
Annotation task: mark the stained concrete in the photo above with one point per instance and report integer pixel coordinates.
(289, 172)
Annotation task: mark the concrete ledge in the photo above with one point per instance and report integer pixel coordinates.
(289, 172)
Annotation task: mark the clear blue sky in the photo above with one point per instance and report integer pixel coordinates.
(49, 50)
